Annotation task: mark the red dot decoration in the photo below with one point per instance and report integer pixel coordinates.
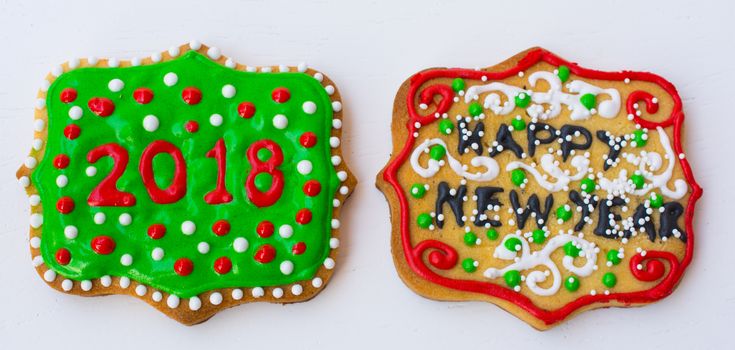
(308, 139)
(281, 95)
(312, 188)
(222, 265)
(101, 106)
(265, 254)
(298, 248)
(68, 95)
(221, 227)
(143, 95)
(265, 229)
(183, 267)
(72, 131)
(303, 216)
(61, 161)
(192, 126)
(191, 95)
(103, 245)
(156, 231)
(63, 256)
(65, 205)
(246, 110)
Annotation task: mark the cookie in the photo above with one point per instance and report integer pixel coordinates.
(540, 186)
(186, 180)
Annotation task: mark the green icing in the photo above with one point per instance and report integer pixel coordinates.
(588, 101)
(475, 109)
(458, 84)
(517, 176)
(563, 73)
(125, 127)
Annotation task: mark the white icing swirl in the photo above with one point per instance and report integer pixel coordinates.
(433, 166)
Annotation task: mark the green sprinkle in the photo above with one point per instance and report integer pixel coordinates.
(563, 73)
(418, 191)
(446, 126)
(657, 200)
(470, 239)
(458, 84)
(588, 100)
(437, 152)
(492, 234)
(518, 124)
(517, 176)
(264, 154)
(588, 185)
(469, 265)
(513, 244)
(424, 220)
(640, 138)
(564, 212)
(571, 250)
(613, 257)
(523, 100)
(512, 278)
(571, 283)
(539, 236)
(638, 181)
(609, 280)
(263, 181)
(475, 109)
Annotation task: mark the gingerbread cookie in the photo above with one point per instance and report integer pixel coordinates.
(186, 180)
(540, 186)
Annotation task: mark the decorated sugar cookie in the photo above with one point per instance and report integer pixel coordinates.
(187, 180)
(540, 186)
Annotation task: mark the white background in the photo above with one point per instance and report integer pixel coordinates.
(369, 49)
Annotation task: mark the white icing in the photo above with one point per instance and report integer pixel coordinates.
(434, 165)
(215, 119)
(126, 260)
(334, 142)
(317, 282)
(216, 298)
(71, 232)
(240, 244)
(335, 224)
(304, 167)
(551, 167)
(309, 107)
(157, 253)
(150, 123)
(115, 85)
(286, 267)
(99, 218)
(203, 247)
(125, 219)
(297, 289)
(228, 91)
(280, 121)
(329, 263)
(188, 227)
(170, 79)
(334, 243)
(257, 292)
(237, 294)
(285, 231)
(277, 293)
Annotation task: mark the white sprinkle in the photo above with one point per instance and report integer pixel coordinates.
(240, 244)
(195, 303)
(115, 85)
(258, 292)
(49, 276)
(170, 79)
(36, 220)
(99, 218)
(285, 231)
(337, 106)
(228, 91)
(237, 294)
(215, 119)
(126, 259)
(106, 281)
(215, 298)
(75, 112)
(309, 107)
(150, 123)
(35, 242)
(31, 162)
(334, 243)
(304, 167)
(91, 171)
(125, 219)
(203, 247)
(172, 301)
(277, 293)
(280, 121)
(317, 282)
(71, 232)
(286, 267)
(329, 263)
(67, 285)
(62, 181)
(334, 141)
(214, 53)
(297, 289)
(141, 290)
(86, 285)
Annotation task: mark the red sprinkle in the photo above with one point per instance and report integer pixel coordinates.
(63, 256)
(191, 95)
(103, 245)
(221, 227)
(68, 95)
(156, 231)
(222, 265)
(308, 139)
(101, 106)
(281, 95)
(65, 205)
(246, 109)
(72, 131)
(303, 216)
(265, 229)
(312, 188)
(143, 95)
(61, 161)
(298, 248)
(265, 254)
(192, 126)
(183, 267)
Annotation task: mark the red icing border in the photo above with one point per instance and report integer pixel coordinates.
(445, 257)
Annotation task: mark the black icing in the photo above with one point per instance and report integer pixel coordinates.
(615, 145)
(486, 198)
(505, 139)
(467, 138)
(533, 205)
(603, 220)
(568, 146)
(455, 203)
(669, 220)
(533, 131)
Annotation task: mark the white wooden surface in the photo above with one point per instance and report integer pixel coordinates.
(369, 48)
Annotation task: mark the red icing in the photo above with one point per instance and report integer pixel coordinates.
(106, 193)
(63, 256)
(271, 196)
(308, 139)
(68, 95)
(192, 126)
(157, 231)
(639, 96)
(183, 266)
(65, 205)
(191, 95)
(221, 227)
(72, 131)
(246, 110)
(143, 95)
(103, 245)
(298, 248)
(220, 194)
(265, 229)
(61, 161)
(312, 188)
(265, 254)
(177, 188)
(303, 216)
(222, 265)
(443, 256)
(101, 106)
(281, 95)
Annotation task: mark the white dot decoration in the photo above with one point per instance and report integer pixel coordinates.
(195, 44)
(150, 123)
(203, 247)
(258, 292)
(24, 181)
(334, 243)
(336, 160)
(228, 91)
(329, 89)
(157, 296)
(215, 119)
(62, 181)
(195, 303)
(342, 175)
(337, 106)
(36, 220)
(31, 162)
(124, 282)
(106, 281)
(67, 285)
(237, 294)
(125, 219)
(126, 260)
(285, 231)
(170, 79)
(172, 301)
(115, 85)
(39, 125)
(317, 282)
(34, 200)
(71, 232)
(99, 218)
(188, 227)
(297, 289)
(91, 171)
(277, 293)
(334, 142)
(240, 244)
(86, 285)
(75, 112)
(286, 267)
(157, 254)
(141, 290)
(35, 242)
(329, 263)
(280, 121)
(113, 62)
(214, 53)
(49, 276)
(215, 298)
(173, 51)
(309, 107)
(37, 144)
(336, 123)
(156, 57)
(304, 167)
